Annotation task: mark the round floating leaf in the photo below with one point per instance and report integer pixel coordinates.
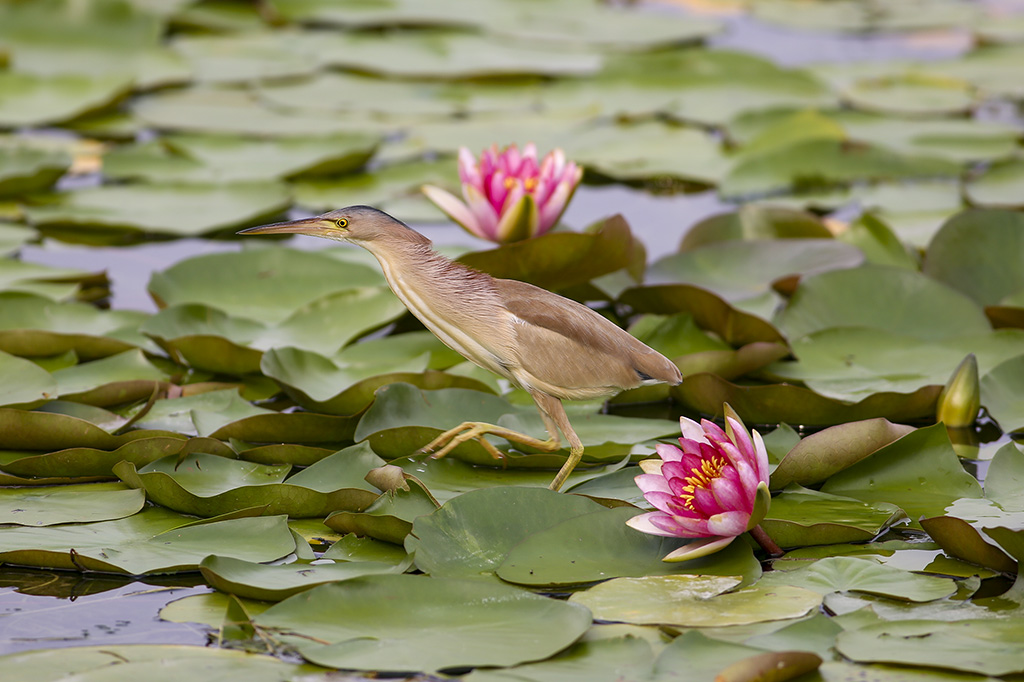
(831, 450)
(429, 55)
(415, 623)
(266, 284)
(178, 209)
(752, 222)
(560, 259)
(988, 647)
(837, 574)
(998, 186)
(115, 380)
(244, 57)
(599, 545)
(25, 169)
(979, 253)
(390, 517)
(711, 312)
(206, 485)
(590, 660)
(911, 95)
(665, 600)
(34, 326)
(96, 462)
(776, 403)
(920, 473)
(68, 504)
(31, 100)
(824, 163)
(800, 517)
(155, 540)
(472, 534)
(893, 299)
(276, 583)
(24, 383)
(959, 539)
(126, 662)
(740, 270)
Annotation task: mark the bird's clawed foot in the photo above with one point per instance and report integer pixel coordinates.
(452, 438)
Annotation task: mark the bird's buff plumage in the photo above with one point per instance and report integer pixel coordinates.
(554, 348)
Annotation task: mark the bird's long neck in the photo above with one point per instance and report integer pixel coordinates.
(440, 293)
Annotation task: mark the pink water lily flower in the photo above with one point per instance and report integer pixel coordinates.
(509, 195)
(714, 486)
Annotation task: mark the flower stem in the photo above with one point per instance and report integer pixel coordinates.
(767, 544)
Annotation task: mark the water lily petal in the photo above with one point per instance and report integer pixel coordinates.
(454, 209)
(650, 483)
(699, 548)
(643, 524)
(761, 456)
(651, 466)
(728, 523)
(487, 217)
(669, 453)
(518, 221)
(705, 503)
(691, 430)
(682, 526)
(729, 493)
(469, 171)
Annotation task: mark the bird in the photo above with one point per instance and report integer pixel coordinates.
(552, 347)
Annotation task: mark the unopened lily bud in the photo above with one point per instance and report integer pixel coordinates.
(960, 399)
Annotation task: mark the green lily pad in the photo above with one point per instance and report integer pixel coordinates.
(155, 540)
(49, 431)
(276, 583)
(200, 414)
(998, 186)
(176, 209)
(471, 534)
(244, 57)
(742, 270)
(413, 623)
(988, 647)
(775, 403)
(1000, 391)
(977, 253)
(959, 539)
(263, 284)
(595, 659)
(68, 504)
(84, 461)
(711, 312)
(668, 600)
(831, 450)
(827, 163)
(31, 100)
(431, 55)
(892, 299)
(34, 326)
(920, 473)
(206, 485)
(25, 169)
(25, 384)
(837, 574)
(599, 545)
(119, 663)
(753, 222)
(390, 517)
(800, 517)
(561, 259)
(115, 380)
(911, 95)
(235, 158)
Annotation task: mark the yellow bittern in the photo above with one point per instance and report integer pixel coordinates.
(554, 348)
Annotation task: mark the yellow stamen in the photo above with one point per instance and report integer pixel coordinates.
(510, 183)
(530, 184)
(709, 470)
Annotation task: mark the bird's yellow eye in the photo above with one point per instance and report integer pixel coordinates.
(341, 222)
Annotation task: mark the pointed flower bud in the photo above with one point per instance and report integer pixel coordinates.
(960, 399)
(509, 196)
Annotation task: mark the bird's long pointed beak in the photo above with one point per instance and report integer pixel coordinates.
(312, 226)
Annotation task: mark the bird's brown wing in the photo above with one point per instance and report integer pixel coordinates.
(566, 345)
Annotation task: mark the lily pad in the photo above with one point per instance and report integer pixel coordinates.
(25, 169)
(666, 600)
(831, 450)
(115, 380)
(754, 221)
(414, 623)
(472, 534)
(276, 583)
(176, 209)
(245, 57)
(877, 297)
(31, 100)
(987, 647)
(206, 485)
(48, 506)
(837, 574)
(800, 517)
(390, 517)
(599, 545)
(920, 473)
(155, 540)
(998, 186)
(25, 384)
(263, 284)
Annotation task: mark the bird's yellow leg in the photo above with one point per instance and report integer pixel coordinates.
(552, 409)
(452, 438)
